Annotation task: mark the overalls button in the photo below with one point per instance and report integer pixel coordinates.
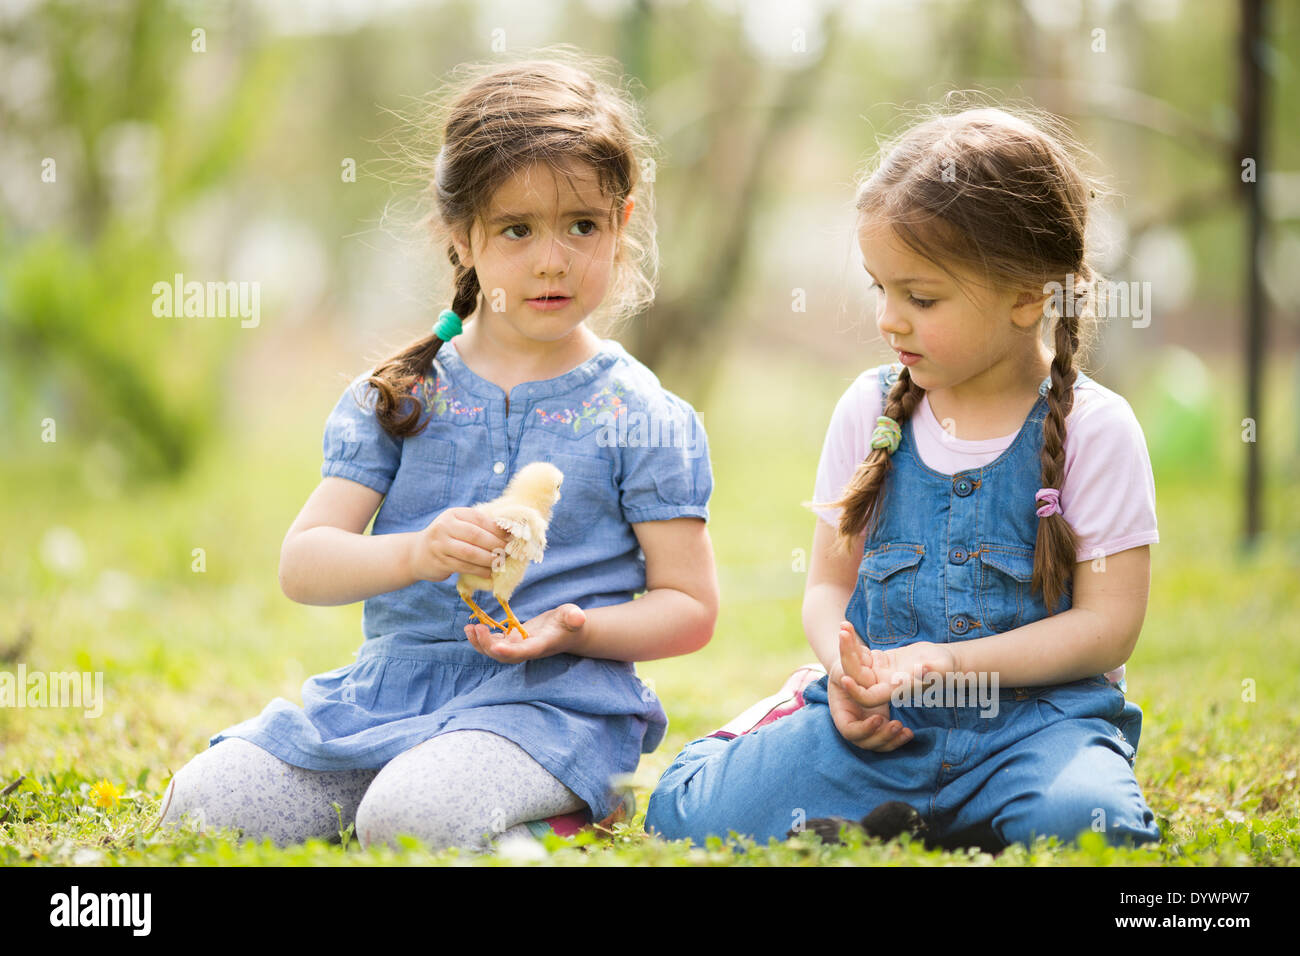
(962, 487)
(499, 467)
(957, 556)
(959, 625)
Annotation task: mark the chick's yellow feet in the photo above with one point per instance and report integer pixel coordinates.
(512, 620)
(481, 615)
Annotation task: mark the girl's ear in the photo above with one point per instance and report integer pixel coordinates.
(460, 240)
(1028, 308)
(627, 210)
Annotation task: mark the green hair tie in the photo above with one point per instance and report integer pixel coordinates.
(887, 434)
(448, 325)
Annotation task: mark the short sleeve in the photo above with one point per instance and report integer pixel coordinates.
(666, 471)
(1109, 494)
(356, 446)
(846, 443)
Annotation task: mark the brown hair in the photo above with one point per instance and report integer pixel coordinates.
(1003, 197)
(499, 120)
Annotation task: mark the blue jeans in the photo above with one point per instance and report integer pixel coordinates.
(1052, 761)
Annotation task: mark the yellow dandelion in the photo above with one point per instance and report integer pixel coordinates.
(105, 794)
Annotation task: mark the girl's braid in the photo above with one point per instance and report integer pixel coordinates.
(861, 499)
(1056, 541)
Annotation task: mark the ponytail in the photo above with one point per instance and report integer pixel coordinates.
(397, 379)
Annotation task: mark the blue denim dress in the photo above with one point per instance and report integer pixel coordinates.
(630, 451)
(951, 560)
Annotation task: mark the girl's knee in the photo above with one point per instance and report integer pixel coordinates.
(670, 813)
(432, 815)
(185, 803)
(376, 817)
(715, 786)
(681, 809)
(238, 785)
(184, 796)
(663, 817)
(462, 789)
(1068, 814)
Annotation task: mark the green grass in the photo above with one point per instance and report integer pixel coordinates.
(185, 653)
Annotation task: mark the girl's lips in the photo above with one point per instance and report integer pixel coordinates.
(549, 304)
(907, 358)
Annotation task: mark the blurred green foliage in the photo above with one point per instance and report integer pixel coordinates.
(173, 150)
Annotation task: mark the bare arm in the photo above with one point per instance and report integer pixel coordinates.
(679, 608)
(832, 576)
(327, 559)
(1097, 634)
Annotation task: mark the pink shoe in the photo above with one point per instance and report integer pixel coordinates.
(781, 704)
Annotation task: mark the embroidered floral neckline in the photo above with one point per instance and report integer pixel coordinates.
(609, 398)
(441, 402)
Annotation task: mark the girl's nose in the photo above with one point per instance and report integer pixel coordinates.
(888, 317)
(553, 257)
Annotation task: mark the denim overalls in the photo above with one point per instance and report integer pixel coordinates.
(951, 560)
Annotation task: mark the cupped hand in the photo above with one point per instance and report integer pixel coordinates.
(864, 725)
(891, 671)
(551, 632)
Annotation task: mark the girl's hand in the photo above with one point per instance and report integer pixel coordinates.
(891, 670)
(551, 632)
(458, 541)
(865, 726)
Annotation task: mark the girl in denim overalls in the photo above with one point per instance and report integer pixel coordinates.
(1023, 566)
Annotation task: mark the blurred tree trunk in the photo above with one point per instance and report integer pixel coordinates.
(688, 325)
(1251, 148)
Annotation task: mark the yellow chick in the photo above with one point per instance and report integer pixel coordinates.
(523, 511)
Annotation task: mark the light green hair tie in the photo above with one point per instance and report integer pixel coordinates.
(448, 325)
(887, 434)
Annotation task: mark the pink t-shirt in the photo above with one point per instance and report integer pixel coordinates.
(1108, 495)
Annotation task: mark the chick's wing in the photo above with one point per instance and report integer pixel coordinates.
(526, 528)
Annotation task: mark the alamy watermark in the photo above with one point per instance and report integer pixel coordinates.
(75, 908)
(632, 428)
(53, 689)
(952, 689)
(209, 300)
(1118, 300)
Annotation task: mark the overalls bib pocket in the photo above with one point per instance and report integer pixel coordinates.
(888, 578)
(1006, 576)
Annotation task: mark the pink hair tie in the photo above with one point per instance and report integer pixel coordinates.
(1053, 498)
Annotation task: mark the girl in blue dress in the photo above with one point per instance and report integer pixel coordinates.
(441, 729)
(993, 513)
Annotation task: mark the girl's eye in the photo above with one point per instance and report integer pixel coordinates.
(510, 230)
(586, 227)
(919, 303)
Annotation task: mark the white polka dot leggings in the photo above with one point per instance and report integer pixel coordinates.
(463, 789)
